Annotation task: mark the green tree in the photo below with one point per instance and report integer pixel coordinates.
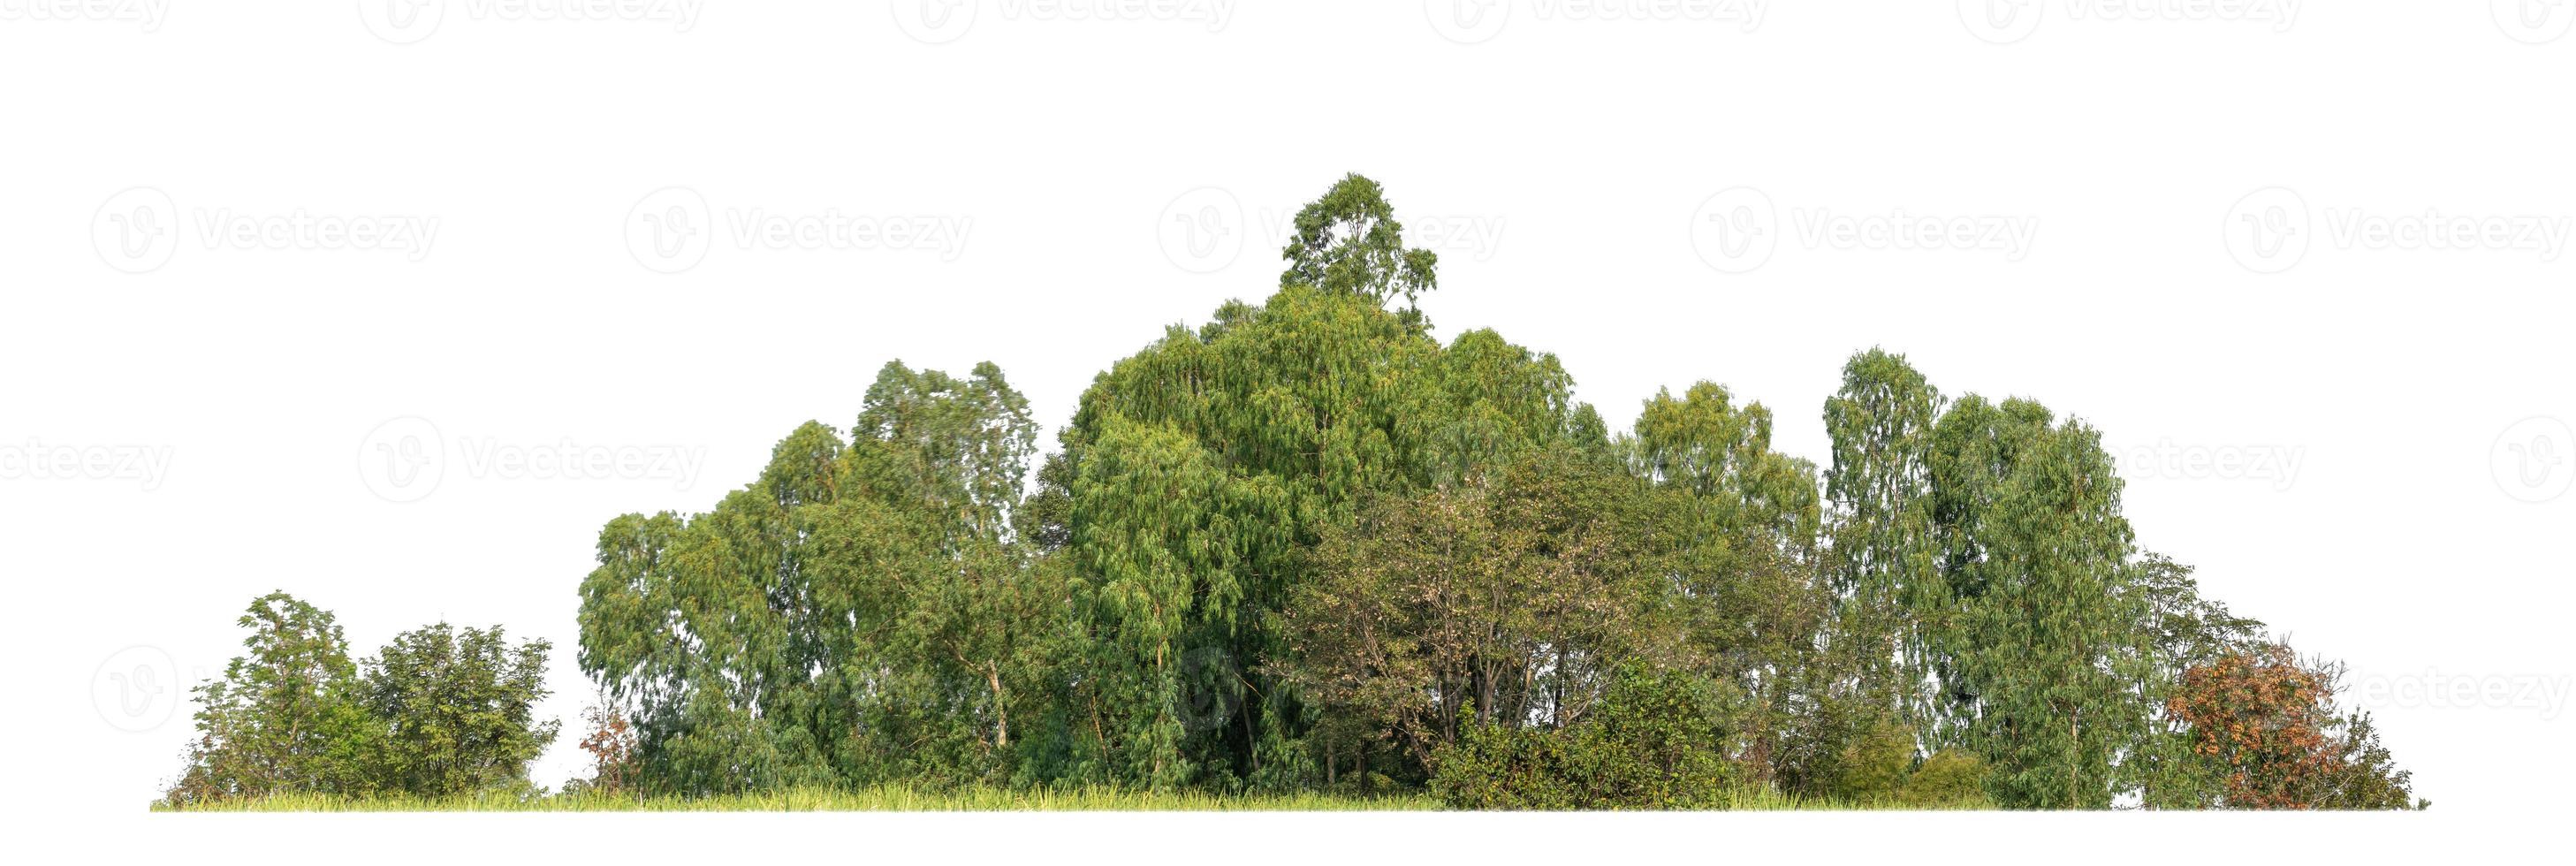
(1517, 594)
(458, 709)
(1884, 557)
(2034, 550)
(1746, 577)
(286, 716)
(1350, 242)
(863, 611)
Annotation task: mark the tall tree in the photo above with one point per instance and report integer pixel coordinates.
(2034, 549)
(1350, 242)
(1884, 548)
(862, 611)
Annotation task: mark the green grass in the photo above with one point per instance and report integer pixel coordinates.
(877, 799)
(902, 799)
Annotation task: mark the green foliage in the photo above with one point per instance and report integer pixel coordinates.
(863, 611)
(2034, 549)
(1306, 546)
(1518, 593)
(1349, 242)
(458, 707)
(1650, 743)
(436, 713)
(287, 716)
(1286, 549)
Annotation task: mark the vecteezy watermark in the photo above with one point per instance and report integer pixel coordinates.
(2534, 459)
(2432, 689)
(2008, 21)
(2270, 230)
(2533, 22)
(1211, 689)
(936, 22)
(1737, 230)
(146, 15)
(403, 22)
(144, 466)
(1468, 22)
(2276, 465)
(136, 689)
(670, 229)
(405, 460)
(138, 229)
(1204, 230)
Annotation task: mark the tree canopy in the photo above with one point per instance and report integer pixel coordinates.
(1308, 545)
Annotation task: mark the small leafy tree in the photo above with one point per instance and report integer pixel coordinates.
(286, 716)
(457, 709)
(611, 746)
(1350, 242)
(2267, 722)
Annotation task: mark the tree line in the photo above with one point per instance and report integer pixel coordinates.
(1308, 546)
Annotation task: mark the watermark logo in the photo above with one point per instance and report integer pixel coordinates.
(2267, 230)
(1202, 231)
(934, 22)
(2534, 460)
(404, 22)
(939, 22)
(145, 15)
(136, 230)
(2008, 21)
(146, 467)
(405, 459)
(1736, 230)
(2270, 230)
(671, 229)
(2275, 465)
(1211, 689)
(136, 689)
(2533, 22)
(1468, 22)
(2432, 689)
(2000, 21)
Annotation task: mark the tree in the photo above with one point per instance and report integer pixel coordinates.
(1349, 242)
(285, 717)
(863, 611)
(2033, 549)
(434, 713)
(458, 709)
(1885, 568)
(2267, 722)
(1746, 574)
(1516, 594)
(2178, 630)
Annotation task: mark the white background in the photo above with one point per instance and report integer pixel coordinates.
(1106, 175)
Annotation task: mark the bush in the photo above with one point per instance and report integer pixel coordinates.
(437, 713)
(1652, 742)
(1950, 778)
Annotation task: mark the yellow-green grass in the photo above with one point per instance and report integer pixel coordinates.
(969, 799)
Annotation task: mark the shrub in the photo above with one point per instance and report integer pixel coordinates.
(1652, 742)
